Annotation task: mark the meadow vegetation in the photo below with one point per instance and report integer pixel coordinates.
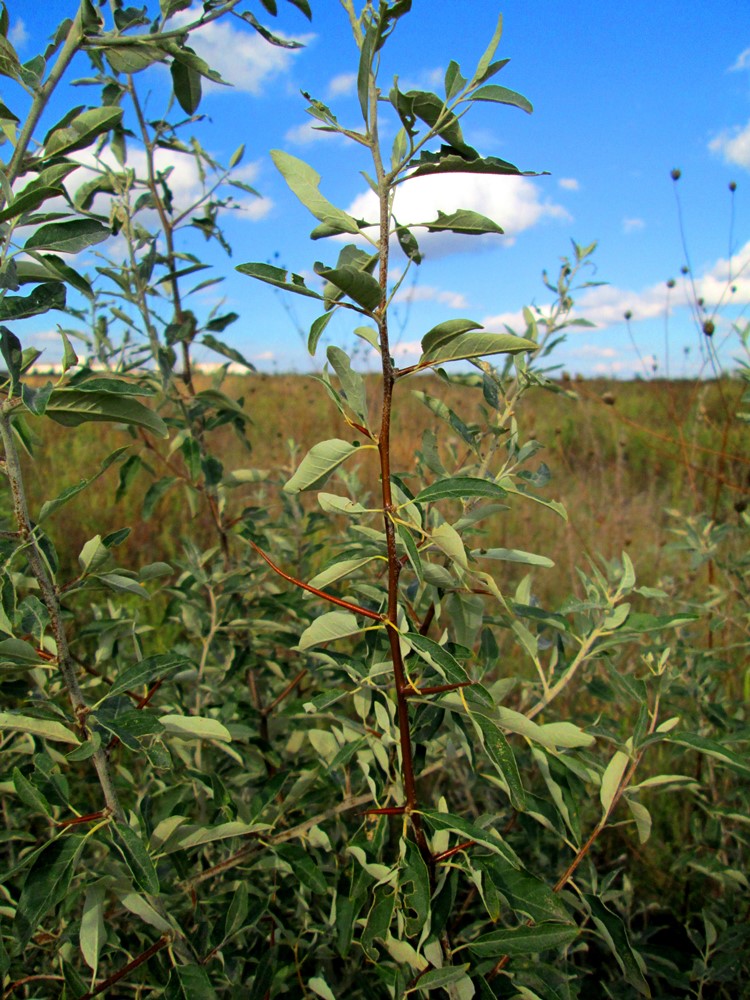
(429, 680)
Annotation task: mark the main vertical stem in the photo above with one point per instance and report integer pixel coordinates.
(384, 450)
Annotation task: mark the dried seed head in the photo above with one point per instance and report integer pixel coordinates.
(675, 174)
(709, 328)
(732, 186)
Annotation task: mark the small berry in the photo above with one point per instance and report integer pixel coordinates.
(671, 283)
(684, 269)
(675, 174)
(709, 328)
(628, 315)
(732, 186)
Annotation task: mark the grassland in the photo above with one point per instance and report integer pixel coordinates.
(622, 455)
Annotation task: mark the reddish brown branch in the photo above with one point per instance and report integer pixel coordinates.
(105, 984)
(355, 608)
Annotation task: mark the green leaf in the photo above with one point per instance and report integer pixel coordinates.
(501, 95)
(523, 940)
(29, 794)
(611, 779)
(72, 407)
(187, 86)
(378, 919)
(133, 58)
(68, 237)
(316, 331)
(50, 507)
(712, 748)
(46, 884)
(514, 555)
(500, 753)
(319, 463)
(305, 869)
(277, 276)
(461, 221)
(50, 295)
(357, 284)
(460, 487)
(434, 979)
(352, 383)
(160, 667)
(613, 931)
(304, 181)
(45, 728)
(93, 931)
(189, 982)
(195, 727)
(437, 656)
(337, 570)
(414, 889)
(136, 857)
(449, 162)
(82, 130)
(329, 626)
(447, 331)
(470, 831)
(523, 892)
(476, 345)
(196, 837)
(489, 52)
(27, 201)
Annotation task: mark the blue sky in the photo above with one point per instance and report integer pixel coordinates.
(622, 94)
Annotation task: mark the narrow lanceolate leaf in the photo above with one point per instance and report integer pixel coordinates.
(136, 857)
(82, 130)
(437, 978)
(50, 295)
(476, 345)
(189, 982)
(447, 331)
(459, 488)
(72, 407)
(67, 237)
(611, 779)
(462, 221)
(93, 932)
(304, 181)
(357, 284)
(343, 568)
(437, 657)
(712, 748)
(613, 931)
(159, 667)
(46, 884)
(489, 52)
(524, 940)
(330, 626)
(193, 837)
(452, 163)
(470, 831)
(277, 276)
(319, 463)
(187, 86)
(352, 383)
(52, 506)
(195, 727)
(48, 729)
(28, 201)
(501, 95)
(500, 753)
(514, 555)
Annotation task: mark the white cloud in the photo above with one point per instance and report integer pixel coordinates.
(428, 293)
(733, 145)
(569, 184)
(742, 62)
(264, 356)
(632, 225)
(426, 79)
(18, 34)
(342, 84)
(512, 202)
(243, 58)
(499, 321)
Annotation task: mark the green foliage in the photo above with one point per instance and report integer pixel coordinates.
(216, 784)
